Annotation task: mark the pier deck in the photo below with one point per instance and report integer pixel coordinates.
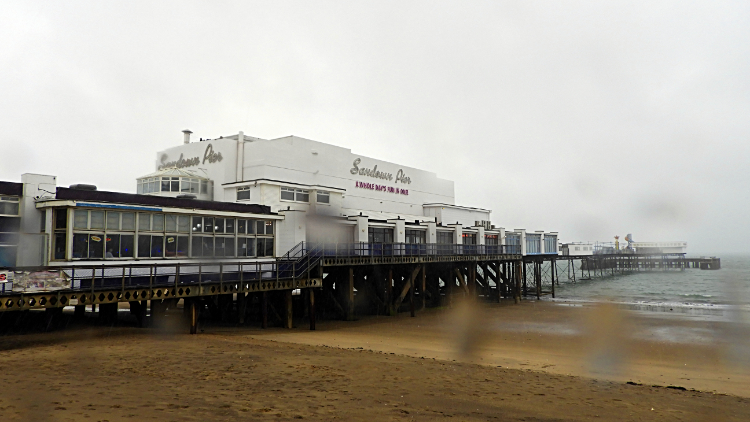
(350, 279)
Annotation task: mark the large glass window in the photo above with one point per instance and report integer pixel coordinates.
(246, 246)
(445, 237)
(119, 246)
(416, 236)
(379, 235)
(323, 197)
(264, 246)
(550, 244)
(469, 238)
(112, 235)
(175, 246)
(533, 244)
(224, 246)
(88, 245)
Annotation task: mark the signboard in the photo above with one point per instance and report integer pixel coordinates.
(209, 155)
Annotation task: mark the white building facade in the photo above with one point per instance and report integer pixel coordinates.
(241, 197)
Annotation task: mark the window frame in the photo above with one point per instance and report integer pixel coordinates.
(243, 189)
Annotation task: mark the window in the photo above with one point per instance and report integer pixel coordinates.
(9, 205)
(298, 195)
(246, 246)
(287, 194)
(61, 244)
(176, 246)
(188, 185)
(88, 246)
(128, 221)
(170, 184)
(533, 244)
(197, 224)
(491, 239)
(243, 193)
(323, 197)
(157, 222)
(113, 221)
(144, 222)
(379, 235)
(81, 219)
(416, 236)
(119, 246)
(301, 195)
(170, 222)
(61, 218)
(148, 185)
(100, 234)
(96, 220)
(469, 238)
(224, 246)
(264, 246)
(263, 227)
(444, 237)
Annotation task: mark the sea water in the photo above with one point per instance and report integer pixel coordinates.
(690, 287)
(705, 296)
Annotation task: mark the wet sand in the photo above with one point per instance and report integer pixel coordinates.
(512, 365)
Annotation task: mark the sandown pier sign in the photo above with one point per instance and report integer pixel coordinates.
(377, 174)
(209, 155)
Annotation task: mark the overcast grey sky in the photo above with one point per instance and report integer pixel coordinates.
(590, 118)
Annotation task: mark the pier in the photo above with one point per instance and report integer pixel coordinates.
(338, 281)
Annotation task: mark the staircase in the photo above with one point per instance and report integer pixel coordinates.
(302, 258)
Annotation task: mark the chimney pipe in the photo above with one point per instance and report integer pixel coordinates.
(187, 133)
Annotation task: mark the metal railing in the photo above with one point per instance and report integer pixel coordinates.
(298, 262)
(330, 250)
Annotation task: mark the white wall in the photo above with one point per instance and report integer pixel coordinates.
(451, 215)
(292, 160)
(32, 242)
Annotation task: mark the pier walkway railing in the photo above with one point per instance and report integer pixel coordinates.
(360, 249)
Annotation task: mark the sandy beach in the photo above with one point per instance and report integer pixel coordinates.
(534, 361)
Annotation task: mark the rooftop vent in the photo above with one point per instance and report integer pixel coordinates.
(186, 196)
(82, 186)
(186, 135)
